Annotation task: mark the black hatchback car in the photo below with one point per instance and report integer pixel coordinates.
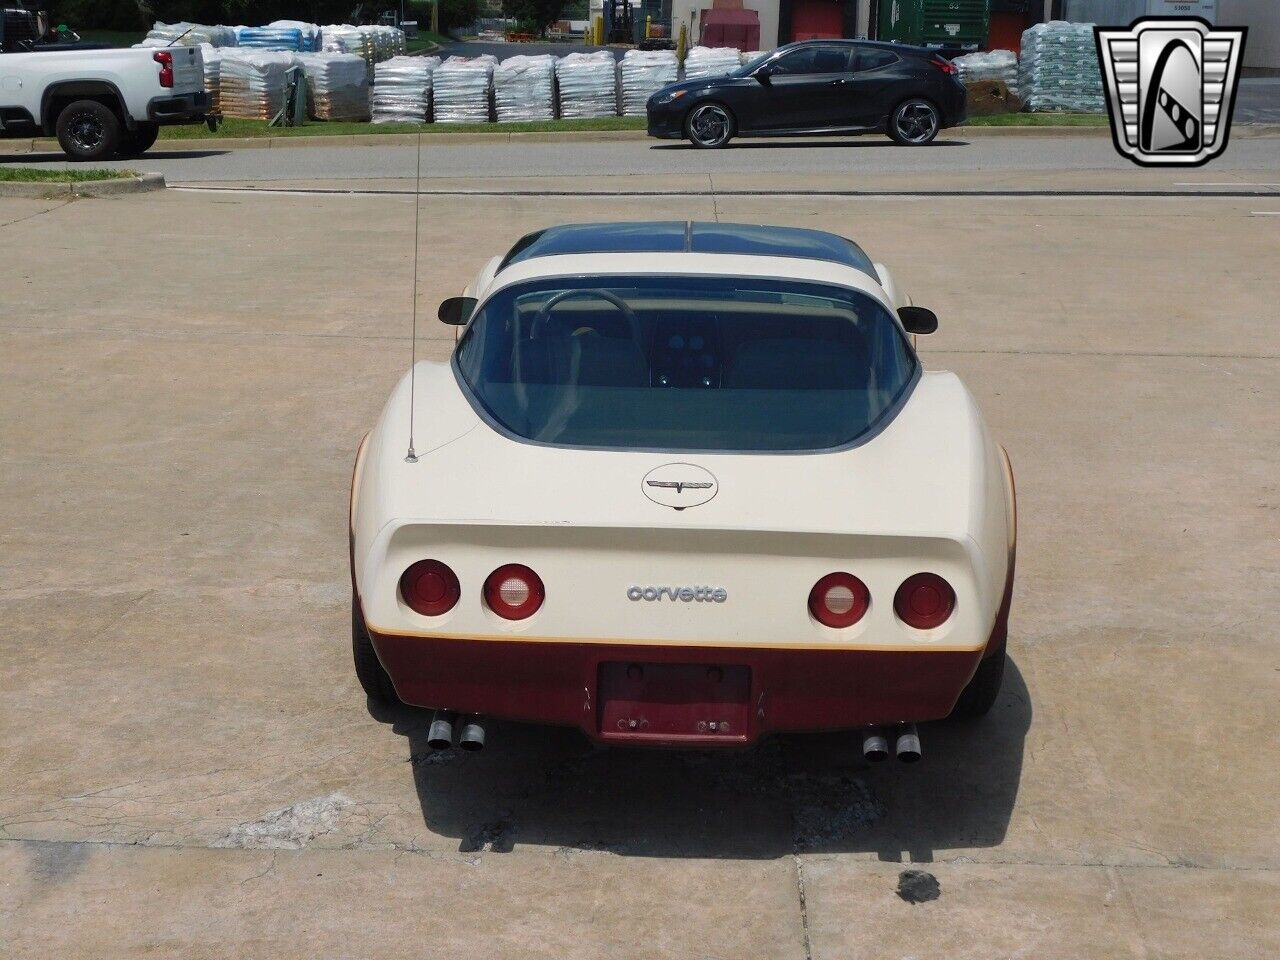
(816, 87)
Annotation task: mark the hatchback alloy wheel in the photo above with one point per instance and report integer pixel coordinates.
(915, 122)
(710, 125)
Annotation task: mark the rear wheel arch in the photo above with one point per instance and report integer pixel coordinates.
(58, 96)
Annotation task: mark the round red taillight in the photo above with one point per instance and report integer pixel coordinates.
(839, 600)
(514, 592)
(429, 588)
(924, 601)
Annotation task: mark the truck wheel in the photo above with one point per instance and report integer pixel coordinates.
(88, 130)
(136, 142)
(373, 678)
(980, 695)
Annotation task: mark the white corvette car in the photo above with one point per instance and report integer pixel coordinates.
(683, 484)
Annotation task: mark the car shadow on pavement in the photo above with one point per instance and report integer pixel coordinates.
(770, 144)
(548, 786)
(21, 158)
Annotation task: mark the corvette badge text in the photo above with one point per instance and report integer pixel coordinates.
(682, 594)
(1171, 88)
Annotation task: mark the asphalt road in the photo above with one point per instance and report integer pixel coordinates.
(799, 159)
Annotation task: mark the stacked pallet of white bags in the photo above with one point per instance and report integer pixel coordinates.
(1059, 68)
(644, 73)
(588, 84)
(188, 35)
(212, 58)
(388, 42)
(337, 85)
(253, 82)
(524, 88)
(344, 38)
(462, 88)
(999, 65)
(402, 89)
(711, 62)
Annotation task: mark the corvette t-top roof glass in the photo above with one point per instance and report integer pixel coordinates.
(685, 363)
(674, 236)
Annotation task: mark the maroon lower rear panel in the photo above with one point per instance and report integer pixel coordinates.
(674, 689)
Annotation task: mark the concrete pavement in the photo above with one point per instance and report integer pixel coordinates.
(791, 162)
(190, 769)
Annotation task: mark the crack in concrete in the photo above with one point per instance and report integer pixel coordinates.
(38, 213)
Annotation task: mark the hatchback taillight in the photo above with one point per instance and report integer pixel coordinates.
(165, 59)
(430, 588)
(839, 600)
(514, 592)
(946, 66)
(924, 601)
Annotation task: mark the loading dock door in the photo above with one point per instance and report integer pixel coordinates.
(817, 20)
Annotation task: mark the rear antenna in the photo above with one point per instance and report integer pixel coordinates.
(411, 456)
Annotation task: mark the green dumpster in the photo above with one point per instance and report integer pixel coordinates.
(951, 26)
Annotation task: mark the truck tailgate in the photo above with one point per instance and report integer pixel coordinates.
(188, 69)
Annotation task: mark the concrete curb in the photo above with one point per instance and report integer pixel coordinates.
(42, 145)
(145, 183)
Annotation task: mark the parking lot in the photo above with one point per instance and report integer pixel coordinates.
(189, 768)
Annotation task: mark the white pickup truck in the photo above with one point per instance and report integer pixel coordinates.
(101, 103)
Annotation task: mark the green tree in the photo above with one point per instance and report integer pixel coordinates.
(456, 14)
(540, 13)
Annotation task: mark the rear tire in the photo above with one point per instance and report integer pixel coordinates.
(982, 691)
(369, 671)
(88, 130)
(136, 142)
(914, 123)
(710, 126)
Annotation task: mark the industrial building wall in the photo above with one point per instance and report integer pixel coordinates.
(1262, 17)
(686, 12)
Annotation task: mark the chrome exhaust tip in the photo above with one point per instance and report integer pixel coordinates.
(440, 736)
(472, 737)
(875, 747)
(908, 745)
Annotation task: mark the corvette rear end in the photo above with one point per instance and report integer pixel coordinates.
(589, 535)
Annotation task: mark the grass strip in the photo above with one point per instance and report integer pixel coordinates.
(10, 174)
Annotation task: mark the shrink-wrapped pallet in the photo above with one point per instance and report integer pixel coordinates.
(999, 65)
(462, 88)
(387, 42)
(1059, 68)
(253, 83)
(270, 38)
(344, 38)
(402, 89)
(189, 35)
(524, 88)
(644, 73)
(337, 85)
(588, 84)
(212, 58)
(711, 62)
(308, 32)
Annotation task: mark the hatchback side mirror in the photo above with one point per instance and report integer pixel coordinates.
(918, 319)
(456, 311)
(765, 73)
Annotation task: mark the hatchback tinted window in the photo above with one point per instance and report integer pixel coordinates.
(874, 59)
(818, 59)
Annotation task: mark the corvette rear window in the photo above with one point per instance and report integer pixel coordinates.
(685, 363)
